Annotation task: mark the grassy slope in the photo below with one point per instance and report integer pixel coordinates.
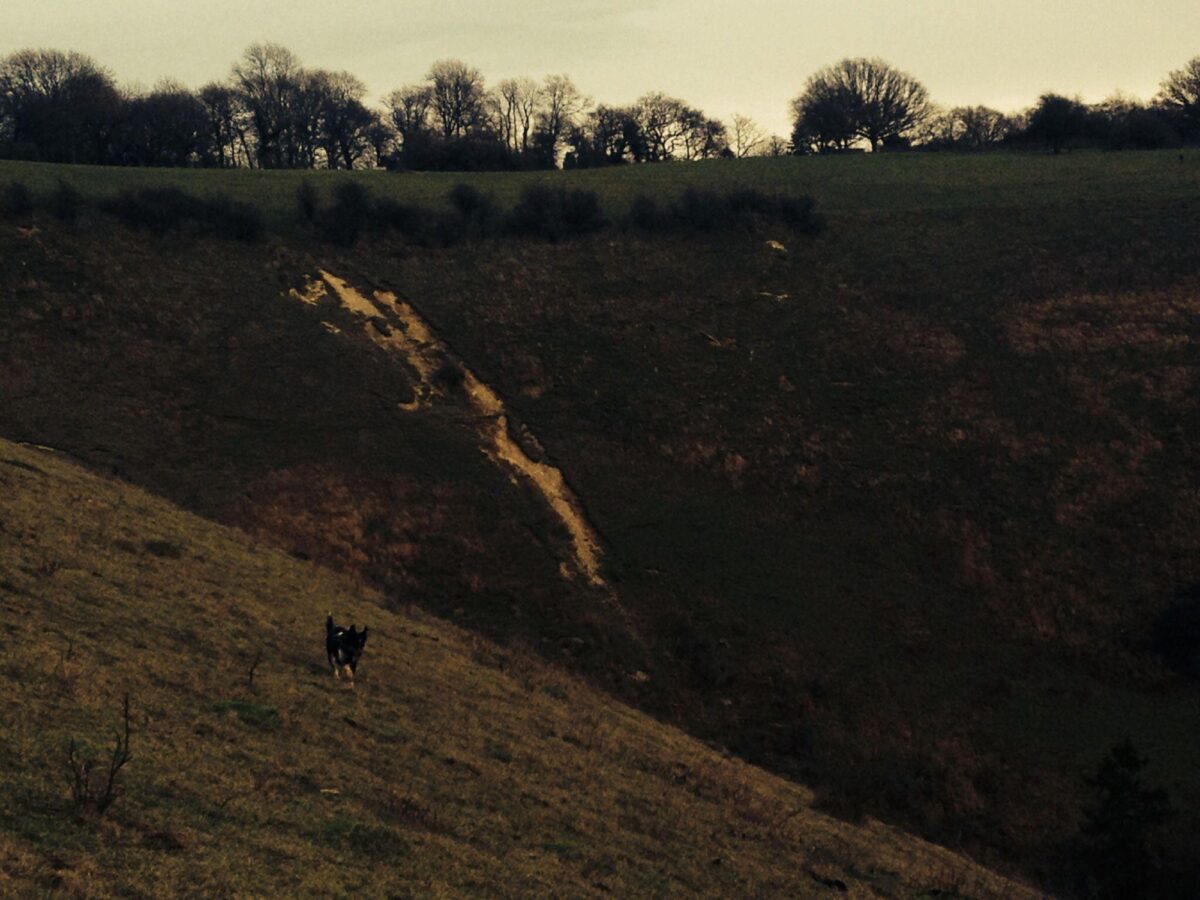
(452, 767)
(921, 568)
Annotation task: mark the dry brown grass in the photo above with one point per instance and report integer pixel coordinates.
(453, 767)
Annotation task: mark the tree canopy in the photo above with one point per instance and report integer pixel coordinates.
(856, 99)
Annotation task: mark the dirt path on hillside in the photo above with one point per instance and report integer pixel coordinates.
(396, 327)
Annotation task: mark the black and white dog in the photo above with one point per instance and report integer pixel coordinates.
(344, 647)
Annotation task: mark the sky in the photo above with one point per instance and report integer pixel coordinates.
(750, 57)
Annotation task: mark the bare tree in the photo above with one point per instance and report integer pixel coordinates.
(978, 127)
(866, 97)
(701, 137)
(458, 96)
(746, 138)
(344, 120)
(381, 137)
(661, 119)
(609, 135)
(97, 794)
(777, 146)
(516, 104)
(562, 104)
(227, 125)
(411, 108)
(268, 78)
(1180, 94)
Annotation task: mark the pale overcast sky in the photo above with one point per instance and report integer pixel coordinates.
(750, 57)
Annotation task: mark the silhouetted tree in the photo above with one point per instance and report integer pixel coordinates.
(1126, 122)
(345, 122)
(1180, 95)
(56, 107)
(978, 127)
(702, 137)
(411, 115)
(859, 98)
(562, 104)
(268, 78)
(746, 138)
(610, 135)
(457, 97)
(515, 105)
(661, 121)
(822, 119)
(1058, 122)
(228, 123)
(382, 138)
(167, 127)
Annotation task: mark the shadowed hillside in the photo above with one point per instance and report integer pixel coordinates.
(894, 510)
(452, 767)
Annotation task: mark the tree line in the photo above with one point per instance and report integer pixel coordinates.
(273, 112)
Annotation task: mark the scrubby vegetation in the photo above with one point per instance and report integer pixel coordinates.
(893, 509)
(453, 767)
(709, 211)
(165, 209)
(543, 212)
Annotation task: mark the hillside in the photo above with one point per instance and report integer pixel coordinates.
(893, 512)
(451, 767)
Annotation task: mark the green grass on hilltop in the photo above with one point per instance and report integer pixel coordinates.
(841, 185)
(452, 768)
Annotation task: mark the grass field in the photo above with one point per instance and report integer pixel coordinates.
(841, 185)
(451, 768)
(893, 512)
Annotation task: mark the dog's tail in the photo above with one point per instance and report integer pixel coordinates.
(329, 625)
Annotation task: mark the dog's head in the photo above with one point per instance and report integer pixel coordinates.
(353, 641)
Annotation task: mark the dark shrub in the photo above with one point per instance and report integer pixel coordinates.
(470, 201)
(555, 213)
(708, 211)
(348, 215)
(233, 219)
(800, 213)
(164, 209)
(306, 202)
(423, 227)
(156, 209)
(66, 203)
(581, 212)
(16, 202)
(475, 208)
(644, 214)
(701, 211)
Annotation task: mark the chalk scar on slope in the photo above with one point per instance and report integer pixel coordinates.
(416, 343)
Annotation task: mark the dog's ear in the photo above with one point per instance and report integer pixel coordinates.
(362, 638)
(329, 624)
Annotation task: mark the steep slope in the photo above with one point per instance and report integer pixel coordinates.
(452, 766)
